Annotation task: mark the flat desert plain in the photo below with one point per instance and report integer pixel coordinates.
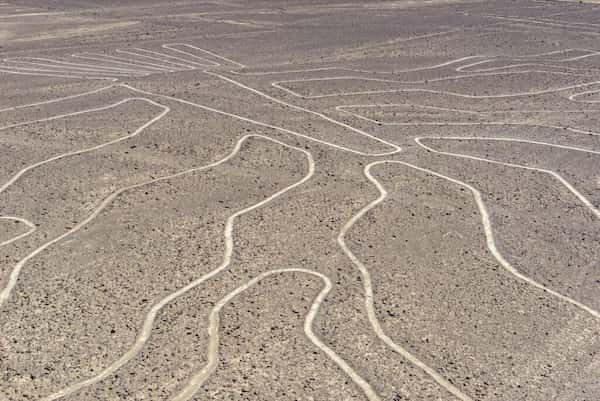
(299, 200)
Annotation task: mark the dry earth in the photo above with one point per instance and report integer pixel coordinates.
(308, 200)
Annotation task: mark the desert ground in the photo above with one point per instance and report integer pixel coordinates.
(308, 200)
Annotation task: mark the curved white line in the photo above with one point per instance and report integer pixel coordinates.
(303, 109)
(421, 90)
(17, 175)
(31, 15)
(470, 74)
(462, 111)
(488, 225)
(487, 58)
(467, 68)
(417, 69)
(256, 122)
(491, 242)
(60, 99)
(592, 92)
(118, 68)
(14, 275)
(546, 23)
(199, 378)
(368, 288)
(383, 193)
(478, 123)
(75, 113)
(29, 224)
(518, 140)
(581, 57)
(228, 235)
(555, 175)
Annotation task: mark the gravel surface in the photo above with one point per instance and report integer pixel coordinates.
(310, 200)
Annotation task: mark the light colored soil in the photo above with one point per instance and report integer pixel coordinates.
(382, 201)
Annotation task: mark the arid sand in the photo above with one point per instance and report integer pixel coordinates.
(309, 200)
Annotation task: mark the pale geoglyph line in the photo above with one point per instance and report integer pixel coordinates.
(454, 110)
(431, 91)
(148, 324)
(303, 109)
(365, 386)
(279, 84)
(592, 92)
(17, 175)
(487, 59)
(439, 379)
(31, 15)
(59, 99)
(196, 382)
(185, 61)
(590, 53)
(470, 112)
(71, 114)
(505, 139)
(547, 23)
(259, 123)
(146, 71)
(123, 61)
(553, 174)
(170, 46)
(490, 242)
(28, 223)
(367, 283)
(471, 74)
(188, 63)
(468, 68)
(166, 63)
(369, 297)
(489, 234)
(40, 74)
(594, 54)
(583, 24)
(14, 275)
(65, 72)
(282, 72)
(63, 66)
(67, 63)
(107, 59)
(80, 74)
(359, 381)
